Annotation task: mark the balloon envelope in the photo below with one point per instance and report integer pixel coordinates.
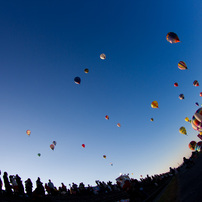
(182, 65)
(39, 154)
(196, 83)
(187, 119)
(83, 145)
(176, 84)
(192, 145)
(28, 132)
(104, 156)
(197, 104)
(172, 37)
(154, 104)
(181, 97)
(86, 70)
(102, 56)
(196, 121)
(54, 142)
(151, 119)
(182, 130)
(200, 94)
(77, 80)
(107, 117)
(118, 124)
(52, 146)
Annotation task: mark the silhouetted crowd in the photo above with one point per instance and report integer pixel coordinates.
(133, 189)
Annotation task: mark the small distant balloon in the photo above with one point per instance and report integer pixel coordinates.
(107, 117)
(197, 104)
(83, 145)
(140, 175)
(181, 97)
(182, 65)
(196, 83)
(28, 132)
(39, 154)
(111, 164)
(77, 80)
(154, 104)
(52, 146)
(86, 70)
(54, 142)
(176, 84)
(187, 119)
(200, 94)
(151, 119)
(172, 37)
(192, 145)
(102, 56)
(118, 124)
(183, 131)
(104, 156)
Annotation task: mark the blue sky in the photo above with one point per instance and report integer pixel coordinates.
(45, 44)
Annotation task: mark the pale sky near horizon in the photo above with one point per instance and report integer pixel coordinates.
(46, 44)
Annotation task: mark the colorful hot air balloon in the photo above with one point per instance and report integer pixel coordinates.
(172, 37)
(151, 119)
(28, 132)
(52, 146)
(197, 104)
(192, 145)
(181, 97)
(182, 65)
(200, 94)
(104, 156)
(107, 117)
(86, 70)
(39, 154)
(154, 104)
(176, 84)
(197, 120)
(118, 124)
(196, 83)
(77, 80)
(183, 131)
(83, 145)
(102, 56)
(54, 142)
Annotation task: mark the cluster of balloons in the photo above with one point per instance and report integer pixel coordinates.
(195, 146)
(107, 118)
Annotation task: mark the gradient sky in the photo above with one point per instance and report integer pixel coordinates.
(45, 44)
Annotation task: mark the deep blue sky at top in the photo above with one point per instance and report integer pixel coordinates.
(45, 44)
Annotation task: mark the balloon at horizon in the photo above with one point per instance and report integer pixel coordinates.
(46, 50)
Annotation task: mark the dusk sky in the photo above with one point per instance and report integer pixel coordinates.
(45, 44)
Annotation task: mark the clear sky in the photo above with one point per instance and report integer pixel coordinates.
(45, 44)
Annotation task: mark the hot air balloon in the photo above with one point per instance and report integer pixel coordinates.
(39, 154)
(200, 94)
(140, 175)
(198, 146)
(102, 56)
(196, 121)
(107, 117)
(181, 97)
(154, 104)
(176, 84)
(183, 131)
(104, 156)
(54, 142)
(83, 145)
(118, 124)
(172, 37)
(151, 119)
(187, 119)
(196, 83)
(192, 145)
(52, 146)
(197, 104)
(28, 132)
(111, 164)
(77, 80)
(86, 70)
(182, 65)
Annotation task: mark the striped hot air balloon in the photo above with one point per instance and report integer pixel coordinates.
(154, 104)
(182, 65)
